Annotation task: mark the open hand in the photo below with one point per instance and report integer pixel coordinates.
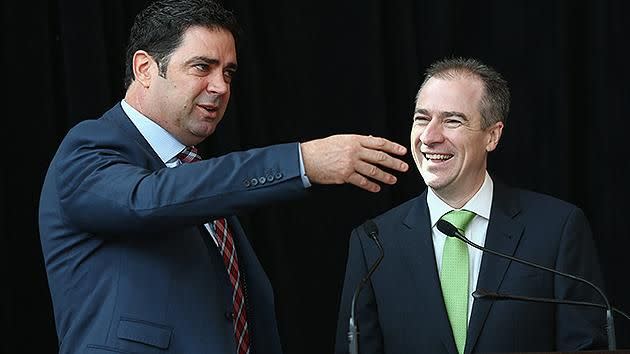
(355, 159)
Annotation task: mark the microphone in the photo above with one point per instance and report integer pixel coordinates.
(353, 333)
(483, 294)
(450, 230)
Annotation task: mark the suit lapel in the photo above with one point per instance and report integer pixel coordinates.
(503, 236)
(418, 256)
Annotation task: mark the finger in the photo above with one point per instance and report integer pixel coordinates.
(377, 143)
(372, 172)
(363, 182)
(383, 159)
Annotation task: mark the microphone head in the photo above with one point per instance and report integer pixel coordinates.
(448, 229)
(480, 293)
(370, 228)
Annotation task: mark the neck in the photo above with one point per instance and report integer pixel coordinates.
(137, 97)
(458, 198)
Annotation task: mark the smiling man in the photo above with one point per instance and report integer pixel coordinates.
(419, 299)
(143, 251)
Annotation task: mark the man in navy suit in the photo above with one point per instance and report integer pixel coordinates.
(142, 251)
(408, 306)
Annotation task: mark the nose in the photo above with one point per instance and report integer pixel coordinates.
(432, 133)
(217, 84)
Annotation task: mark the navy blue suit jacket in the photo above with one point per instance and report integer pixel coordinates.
(129, 268)
(402, 309)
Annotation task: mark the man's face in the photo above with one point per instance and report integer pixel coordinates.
(192, 97)
(447, 141)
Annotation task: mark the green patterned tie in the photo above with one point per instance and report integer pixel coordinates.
(454, 277)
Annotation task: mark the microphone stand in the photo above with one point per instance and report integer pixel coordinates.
(353, 333)
(483, 294)
(450, 230)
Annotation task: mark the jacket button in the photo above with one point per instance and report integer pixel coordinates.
(246, 183)
(253, 182)
(270, 178)
(262, 180)
(278, 175)
(229, 315)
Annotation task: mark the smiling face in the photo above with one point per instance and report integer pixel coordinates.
(448, 143)
(190, 98)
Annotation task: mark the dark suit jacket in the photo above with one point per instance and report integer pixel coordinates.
(128, 266)
(401, 310)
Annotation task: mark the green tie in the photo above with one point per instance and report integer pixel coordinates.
(454, 277)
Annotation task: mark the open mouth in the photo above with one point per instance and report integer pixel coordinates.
(437, 157)
(210, 109)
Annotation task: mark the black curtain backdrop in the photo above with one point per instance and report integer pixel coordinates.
(309, 69)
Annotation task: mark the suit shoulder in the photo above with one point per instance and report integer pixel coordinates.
(398, 212)
(99, 128)
(539, 203)
(403, 208)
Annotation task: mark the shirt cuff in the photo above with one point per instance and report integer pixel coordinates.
(305, 179)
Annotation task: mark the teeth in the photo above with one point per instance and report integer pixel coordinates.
(437, 156)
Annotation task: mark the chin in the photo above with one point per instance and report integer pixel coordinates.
(433, 181)
(434, 186)
(204, 130)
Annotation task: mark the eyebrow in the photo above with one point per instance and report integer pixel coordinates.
(443, 115)
(210, 61)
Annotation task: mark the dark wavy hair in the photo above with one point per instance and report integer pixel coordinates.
(160, 27)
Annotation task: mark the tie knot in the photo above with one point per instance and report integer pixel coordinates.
(188, 155)
(459, 218)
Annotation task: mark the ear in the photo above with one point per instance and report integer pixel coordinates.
(493, 136)
(144, 68)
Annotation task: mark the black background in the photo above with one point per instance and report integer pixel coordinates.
(308, 69)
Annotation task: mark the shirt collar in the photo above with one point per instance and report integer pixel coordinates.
(479, 204)
(161, 141)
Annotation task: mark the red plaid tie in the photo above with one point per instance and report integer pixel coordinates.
(188, 155)
(227, 249)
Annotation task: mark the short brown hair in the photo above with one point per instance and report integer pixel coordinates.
(495, 102)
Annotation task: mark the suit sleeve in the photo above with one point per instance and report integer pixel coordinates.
(370, 336)
(106, 186)
(579, 328)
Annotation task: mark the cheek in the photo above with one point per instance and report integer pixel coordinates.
(415, 136)
(417, 158)
(226, 98)
(192, 87)
(475, 151)
(414, 143)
